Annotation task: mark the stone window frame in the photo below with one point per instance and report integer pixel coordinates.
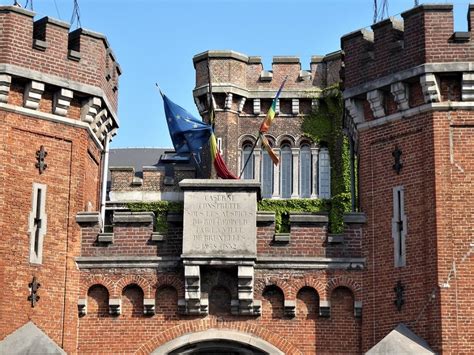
(36, 236)
(399, 220)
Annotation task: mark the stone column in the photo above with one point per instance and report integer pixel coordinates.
(314, 172)
(295, 152)
(257, 154)
(276, 176)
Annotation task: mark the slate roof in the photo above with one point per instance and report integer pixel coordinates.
(29, 340)
(401, 340)
(137, 157)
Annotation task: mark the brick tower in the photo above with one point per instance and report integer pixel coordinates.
(58, 102)
(409, 97)
(243, 92)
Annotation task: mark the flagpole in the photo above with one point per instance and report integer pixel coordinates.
(250, 155)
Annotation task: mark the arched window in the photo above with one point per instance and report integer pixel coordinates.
(267, 175)
(305, 171)
(324, 174)
(286, 171)
(248, 172)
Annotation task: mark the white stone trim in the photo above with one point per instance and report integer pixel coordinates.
(468, 86)
(295, 106)
(14, 70)
(276, 175)
(90, 109)
(216, 335)
(5, 82)
(375, 99)
(315, 104)
(33, 93)
(256, 106)
(277, 107)
(257, 156)
(241, 104)
(314, 172)
(50, 117)
(355, 110)
(37, 258)
(430, 87)
(228, 101)
(400, 94)
(62, 101)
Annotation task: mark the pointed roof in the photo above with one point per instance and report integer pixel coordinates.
(401, 340)
(29, 340)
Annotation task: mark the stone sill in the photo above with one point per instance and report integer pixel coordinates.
(157, 237)
(105, 238)
(281, 238)
(73, 55)
(40, 45)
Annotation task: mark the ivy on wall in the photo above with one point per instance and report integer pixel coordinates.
(160, 209)
(325, 127)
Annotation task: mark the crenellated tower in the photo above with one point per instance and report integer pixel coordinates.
(243, 92)
(58, 112)
(409, 98)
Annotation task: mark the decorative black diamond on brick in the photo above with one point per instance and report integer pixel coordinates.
(33, 297)
(397, 153)
(40, 156)
(399, 301)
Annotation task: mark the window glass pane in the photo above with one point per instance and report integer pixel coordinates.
(324, 174)
(267, 175)
(305, 172)
(248, 172)
(286, 171)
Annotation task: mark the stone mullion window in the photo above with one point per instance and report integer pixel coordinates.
(249, 169)
(37, 223)
(305, 172)
(286, 170)
(267, 175)
(324, 173)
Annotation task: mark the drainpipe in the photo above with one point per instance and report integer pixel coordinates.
(105, 169)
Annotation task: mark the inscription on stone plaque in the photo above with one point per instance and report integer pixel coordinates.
(219, 223)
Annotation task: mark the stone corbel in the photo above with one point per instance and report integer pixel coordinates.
(314, 104)
(90, 109)
(115, 306)
(5, 82)
(228, 101)
(295, 106)
(324, 309)
(467, 86)
(192, 289)
(256, 106)
(399, 91)
(199, 105)
(430, 87)
(149, 306)
(375, 99)
(33, 93)
(277, 106)
(355, 110)
(245, 275)
(82, 307)
(290, 308)
(98, 120)
(241, 104)
(62, 101)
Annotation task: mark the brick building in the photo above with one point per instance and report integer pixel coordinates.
(207, 272)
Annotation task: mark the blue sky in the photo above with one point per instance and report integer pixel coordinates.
(155, 41)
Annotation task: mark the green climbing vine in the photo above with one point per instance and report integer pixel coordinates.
(160, 209)
(325, 126)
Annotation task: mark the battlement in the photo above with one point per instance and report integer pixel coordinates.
(151, 184)
(239, 74)
(425, 35)
(46, 49)
(50, 73)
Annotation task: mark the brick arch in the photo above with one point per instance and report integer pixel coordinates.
(96, 280)
(344, 281)
(305, 140)
(132, 279)
(317, 285)
(170, 280)
(246, 138)
(288, 291)
(286, 137)
(206, 324)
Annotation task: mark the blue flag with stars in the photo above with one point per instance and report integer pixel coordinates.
(188, 134)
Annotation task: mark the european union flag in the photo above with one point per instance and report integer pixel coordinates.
(189, 135)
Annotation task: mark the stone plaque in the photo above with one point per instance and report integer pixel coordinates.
(220, 220)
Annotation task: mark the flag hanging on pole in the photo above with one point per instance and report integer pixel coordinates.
(188, 134)
(264, 127)
(269, 150)
(221, 169)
